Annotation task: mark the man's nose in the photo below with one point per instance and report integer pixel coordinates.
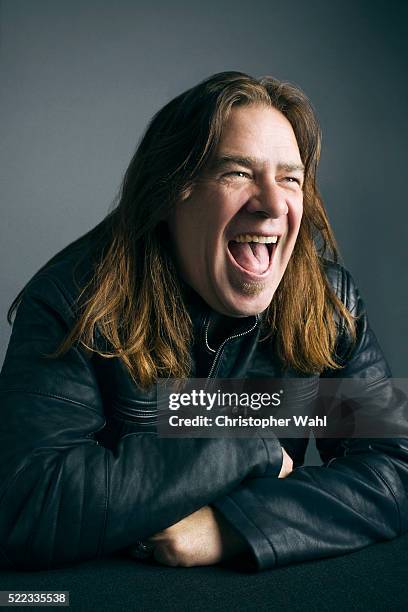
(270, 200)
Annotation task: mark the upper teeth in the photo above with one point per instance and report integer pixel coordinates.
(249, 238)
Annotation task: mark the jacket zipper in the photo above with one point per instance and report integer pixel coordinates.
(146, 414)
(222, 345)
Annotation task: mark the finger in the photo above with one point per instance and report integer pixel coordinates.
(163, 555)
(287, 465)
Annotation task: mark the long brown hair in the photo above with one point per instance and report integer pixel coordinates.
(134, 298)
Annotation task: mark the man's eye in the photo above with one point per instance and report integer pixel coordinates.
(238, 174)
(292, 179)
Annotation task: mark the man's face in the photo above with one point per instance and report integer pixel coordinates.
(234, 234)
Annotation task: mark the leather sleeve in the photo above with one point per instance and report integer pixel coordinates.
(357, 497)
(63, 497)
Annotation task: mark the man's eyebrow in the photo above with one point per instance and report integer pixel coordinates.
(250, 162)
(292, 167)
(226, 159)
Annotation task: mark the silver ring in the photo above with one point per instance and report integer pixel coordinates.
(141, 550)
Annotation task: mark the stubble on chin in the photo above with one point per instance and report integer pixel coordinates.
(251, 289)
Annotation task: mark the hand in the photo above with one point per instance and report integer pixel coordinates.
(287, 465)
(202, 538)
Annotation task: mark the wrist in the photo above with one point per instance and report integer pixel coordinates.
(232, 542)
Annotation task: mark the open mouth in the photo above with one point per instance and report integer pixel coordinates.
(253, 253)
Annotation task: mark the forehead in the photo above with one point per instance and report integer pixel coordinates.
(258, 131)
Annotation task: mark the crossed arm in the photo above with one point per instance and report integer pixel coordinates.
(204, 537)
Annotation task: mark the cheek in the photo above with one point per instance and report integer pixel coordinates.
(185, 220)
(190, 235)
(295, 213)
(184, 226)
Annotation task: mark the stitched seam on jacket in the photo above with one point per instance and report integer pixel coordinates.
(343, 293)
(106, 506)
(46, 504)
(345, 288)
(339, 287)
(268, 456)
(256, 527)
(381, 477)
(376, 382)
(52, 395)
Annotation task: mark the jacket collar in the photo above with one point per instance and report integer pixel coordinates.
(200, 314)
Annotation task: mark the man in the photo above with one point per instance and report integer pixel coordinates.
(208, 267)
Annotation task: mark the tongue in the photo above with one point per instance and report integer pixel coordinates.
(253, 256)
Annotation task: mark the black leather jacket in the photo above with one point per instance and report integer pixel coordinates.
(82, 472)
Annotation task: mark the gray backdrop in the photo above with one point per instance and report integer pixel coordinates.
(81, 78)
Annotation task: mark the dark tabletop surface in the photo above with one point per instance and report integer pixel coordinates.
(375, 578)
